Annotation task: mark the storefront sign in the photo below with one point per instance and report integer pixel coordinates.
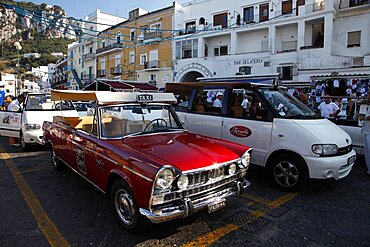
(246, 61)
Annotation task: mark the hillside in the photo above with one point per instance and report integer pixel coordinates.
(48, 30)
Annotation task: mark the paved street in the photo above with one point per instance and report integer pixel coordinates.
(40, 207)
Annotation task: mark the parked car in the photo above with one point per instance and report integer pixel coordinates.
(26, 125)
(287, 137)
(136, 151)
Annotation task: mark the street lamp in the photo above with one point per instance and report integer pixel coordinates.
(18, 47)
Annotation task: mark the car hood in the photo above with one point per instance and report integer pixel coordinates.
(325, 131)
(184, 150)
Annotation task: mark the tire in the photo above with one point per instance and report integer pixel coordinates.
(25, 147)
(288, 172)
(55, 161)
(126, 209)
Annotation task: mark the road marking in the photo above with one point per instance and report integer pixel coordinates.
(47, 227)
(211, 237)
(255, 198)
(33, 170)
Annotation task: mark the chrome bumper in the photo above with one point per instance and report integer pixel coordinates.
(190, 207)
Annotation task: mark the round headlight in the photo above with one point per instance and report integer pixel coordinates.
(164, 179)
(232, 169)
(246, 159)
(183, 182)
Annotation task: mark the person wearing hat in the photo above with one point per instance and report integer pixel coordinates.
(218, 101)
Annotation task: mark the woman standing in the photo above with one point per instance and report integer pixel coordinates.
(366, 134)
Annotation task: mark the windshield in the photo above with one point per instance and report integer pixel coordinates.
(287, 106)
(124, 120)
(43, 102)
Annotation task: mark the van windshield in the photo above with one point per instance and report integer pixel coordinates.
(286, 105)
(43, 102)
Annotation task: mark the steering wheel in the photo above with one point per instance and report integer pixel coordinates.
(151, 123)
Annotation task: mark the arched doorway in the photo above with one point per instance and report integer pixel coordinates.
(191, 76)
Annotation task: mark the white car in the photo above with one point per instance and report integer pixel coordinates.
(286, 136)
(27, 124)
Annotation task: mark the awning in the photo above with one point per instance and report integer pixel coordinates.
(340, 76)
(119, 86)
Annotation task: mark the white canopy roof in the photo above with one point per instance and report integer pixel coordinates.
(104, 97)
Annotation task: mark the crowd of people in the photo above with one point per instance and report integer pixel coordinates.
(13, 103)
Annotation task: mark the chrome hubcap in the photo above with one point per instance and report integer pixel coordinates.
(286, 174)
(124, 205)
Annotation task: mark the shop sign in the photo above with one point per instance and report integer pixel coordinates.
(247, 61)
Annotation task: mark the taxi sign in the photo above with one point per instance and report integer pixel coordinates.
(144, 98)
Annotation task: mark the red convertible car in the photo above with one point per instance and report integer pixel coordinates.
(135, 150)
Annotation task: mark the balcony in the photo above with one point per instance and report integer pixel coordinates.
(152, 36)
(101, 73)
(116, 70)
(109, 49)
(88, 56)
(288, 46)
(315, 7)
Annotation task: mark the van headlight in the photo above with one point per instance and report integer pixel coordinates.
(246, 159)
(32, 126)
(164, 179)
(325, 150)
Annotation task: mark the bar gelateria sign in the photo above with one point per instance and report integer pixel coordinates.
(246, 61)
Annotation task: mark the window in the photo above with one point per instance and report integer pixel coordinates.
(102, 64)
(300, 3)
(220, 20)
(187, 49)
(245, 70)
(153, 77)
(143, 59)
(220, 51)
(286, 72)
(117, 60)
(286, 7)
(190, 27)
(354, 39)
(264, 12)
(91, 50)
(79, 61)
(155, 27)
(209, 101)
(248, 14)
(202, 21)
(83, 64)
(266, 64)
(132, 35)
(132, 57)
(118, 39)
(79, 49)
(103, 43)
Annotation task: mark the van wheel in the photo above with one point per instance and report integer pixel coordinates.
(126, 209)
(57, 164)
(288, 172)
(24, 145)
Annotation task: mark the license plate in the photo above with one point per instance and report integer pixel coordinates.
(216, 206)
(351, 160)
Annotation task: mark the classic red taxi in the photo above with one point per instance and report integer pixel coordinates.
(135, 150)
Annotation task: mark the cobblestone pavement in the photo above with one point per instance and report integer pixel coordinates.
(74, 213)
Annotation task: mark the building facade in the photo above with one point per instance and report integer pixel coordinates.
(299, 39)
(8, 83)
(59, 79)
(82, 54)
(138, 49)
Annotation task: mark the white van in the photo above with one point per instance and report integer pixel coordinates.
(27, 124)
(286, 136)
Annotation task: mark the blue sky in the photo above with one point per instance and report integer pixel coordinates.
(80, 8)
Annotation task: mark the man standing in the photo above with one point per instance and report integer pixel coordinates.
(365, 132)
(15, 105)
(328, 109)
(218, 101)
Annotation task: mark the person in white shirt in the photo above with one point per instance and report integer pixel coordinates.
(365, 132)
(245, 103)
(328, 109)
(219, 99)
(16, 105)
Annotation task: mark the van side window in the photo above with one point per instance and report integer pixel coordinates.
(209, 101)
(182, 94)
(246, 104)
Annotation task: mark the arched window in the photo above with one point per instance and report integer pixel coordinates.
(202, 21)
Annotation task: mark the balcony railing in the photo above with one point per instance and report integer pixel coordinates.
(352, 3)
(116, 70)
(152, 35)
(288, 46)
(151, 64)
(101, 73)
(114, 46)
(88, 56)
(89, 77)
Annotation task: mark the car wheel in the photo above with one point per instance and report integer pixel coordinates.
(55, 161)
(288, 172)
(24, 145)
(126, 209)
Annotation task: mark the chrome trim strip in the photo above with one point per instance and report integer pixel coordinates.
(214, 166)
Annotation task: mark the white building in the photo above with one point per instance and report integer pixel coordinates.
(82, 54)
(30, 86)
(300, 39)
(8, 83)
(42, 73)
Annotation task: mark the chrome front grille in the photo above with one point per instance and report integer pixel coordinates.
(202, 177)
